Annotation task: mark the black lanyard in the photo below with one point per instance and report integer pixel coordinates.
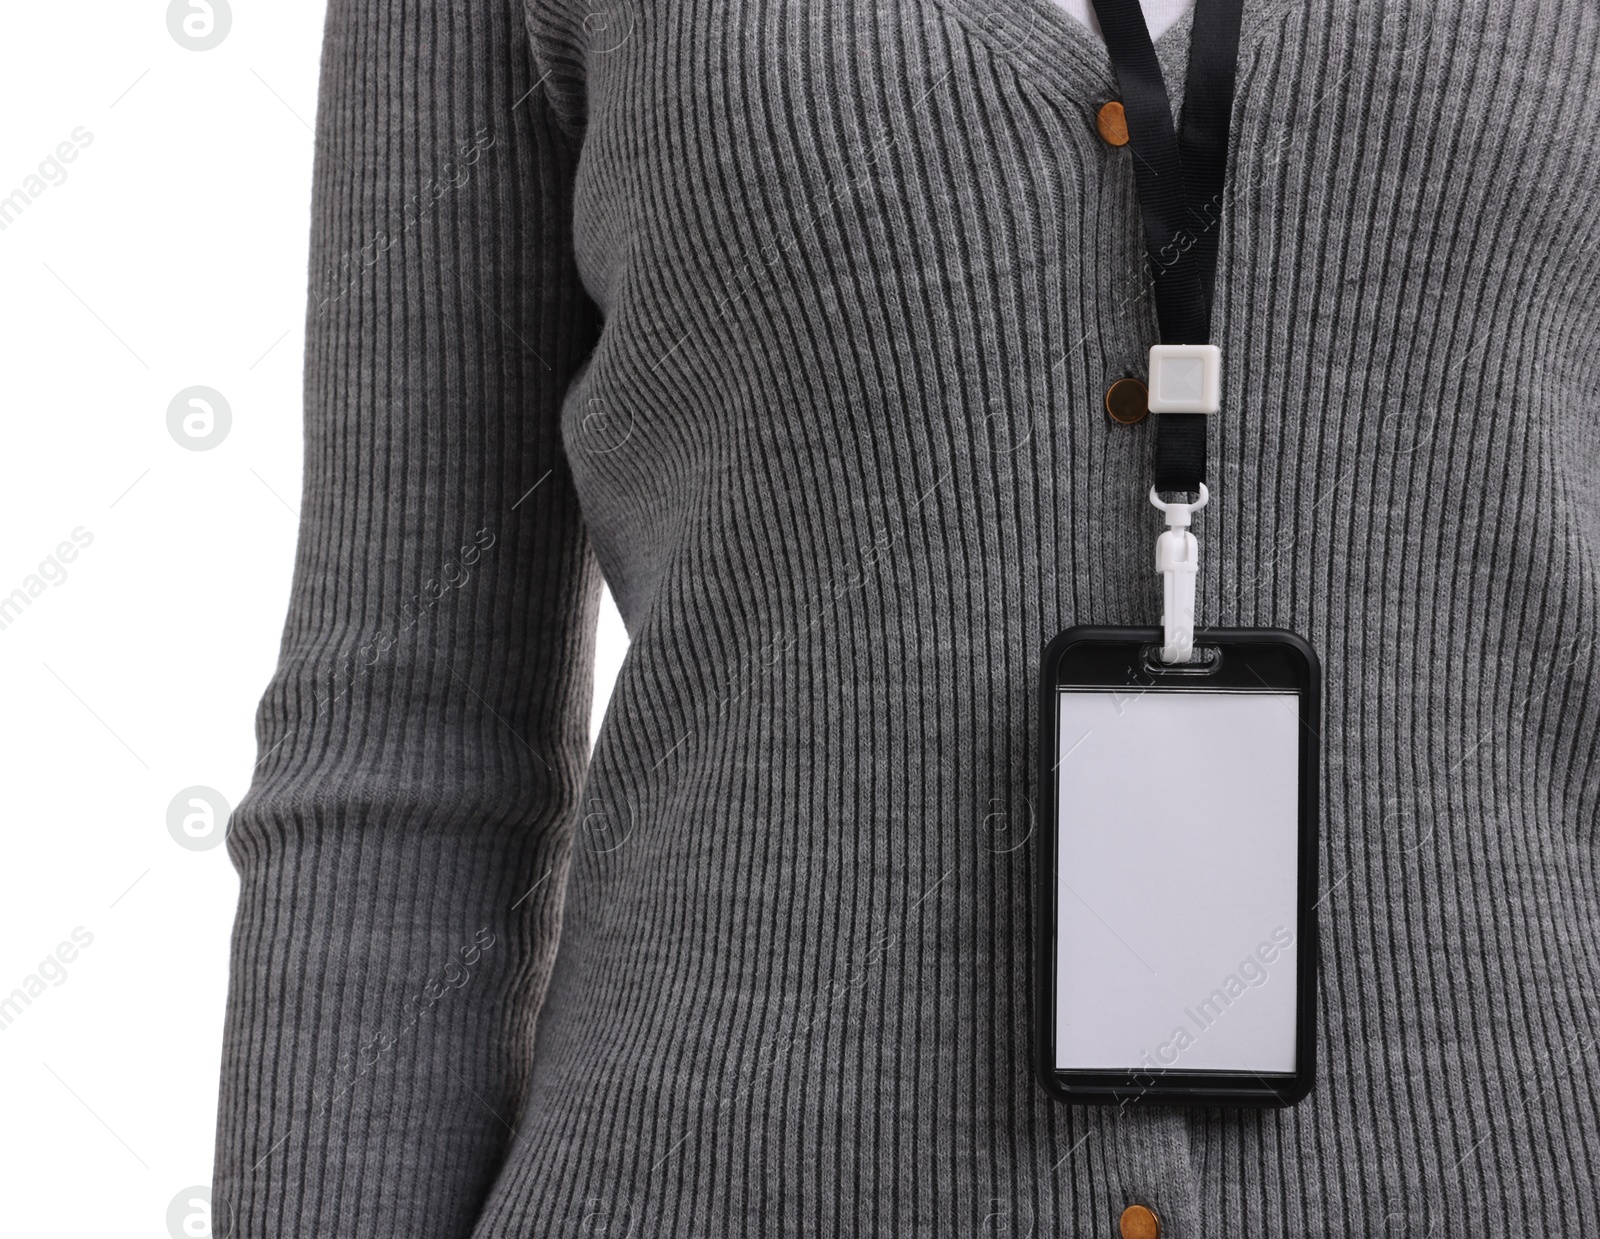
(1179, 176)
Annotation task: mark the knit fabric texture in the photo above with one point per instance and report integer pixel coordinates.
(794, 321)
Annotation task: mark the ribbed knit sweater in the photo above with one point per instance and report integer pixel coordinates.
(794, 321)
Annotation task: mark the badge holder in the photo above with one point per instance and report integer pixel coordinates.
(1177, 852)
(1176, 868)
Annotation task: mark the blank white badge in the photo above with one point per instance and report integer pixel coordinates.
(1178, 855)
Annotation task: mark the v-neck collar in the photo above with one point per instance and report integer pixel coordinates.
(1051, 46)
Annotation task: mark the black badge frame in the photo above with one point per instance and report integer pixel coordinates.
(1127, 658)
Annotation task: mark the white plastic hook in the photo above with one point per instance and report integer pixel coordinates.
(1178, 562)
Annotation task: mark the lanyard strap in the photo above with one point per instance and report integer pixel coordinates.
(1180, 177)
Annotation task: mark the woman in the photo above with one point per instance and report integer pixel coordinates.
(795, 323)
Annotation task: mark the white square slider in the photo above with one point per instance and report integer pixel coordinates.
(1185, 378)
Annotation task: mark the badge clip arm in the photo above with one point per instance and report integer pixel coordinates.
(1178, 562)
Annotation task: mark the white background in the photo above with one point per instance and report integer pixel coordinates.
(172, 254)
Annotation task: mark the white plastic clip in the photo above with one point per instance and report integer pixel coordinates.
(1185, 378)
(1178, 562)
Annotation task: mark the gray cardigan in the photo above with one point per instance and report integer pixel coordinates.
(793, 320)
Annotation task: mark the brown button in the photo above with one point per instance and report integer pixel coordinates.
(1127, 400)
(1112, 122)
(1140, 1223)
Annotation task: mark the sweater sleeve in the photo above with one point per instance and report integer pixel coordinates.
(402, 849)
